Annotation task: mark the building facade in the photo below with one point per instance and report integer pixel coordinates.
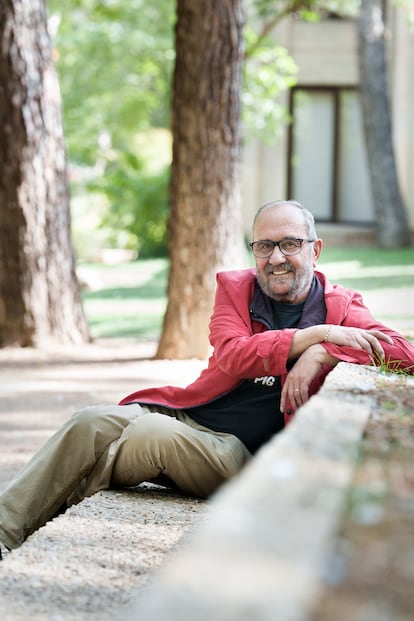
(320, 158)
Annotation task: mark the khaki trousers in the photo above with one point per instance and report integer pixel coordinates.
(115, 446)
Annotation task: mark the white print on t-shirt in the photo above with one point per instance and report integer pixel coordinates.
(266, 380)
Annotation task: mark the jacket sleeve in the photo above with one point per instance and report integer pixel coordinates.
(400, 355)
(238, 351)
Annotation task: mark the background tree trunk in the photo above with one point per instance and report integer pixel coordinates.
(392, 224)
(39, 291)
(205, 207)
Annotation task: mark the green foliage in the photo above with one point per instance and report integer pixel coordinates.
(114, 60)
(408, 9)
(269, 71)
(138, 204)
(369, 256)
(388, 366)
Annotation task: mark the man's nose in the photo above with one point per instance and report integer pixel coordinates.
(276, 255)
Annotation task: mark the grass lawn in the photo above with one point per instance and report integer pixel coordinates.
(365, 269)
(125, 300)
(385, 278)
(129, 299)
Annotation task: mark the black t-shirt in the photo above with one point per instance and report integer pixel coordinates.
(252, 410)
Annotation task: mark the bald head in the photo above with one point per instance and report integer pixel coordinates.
(308, 219)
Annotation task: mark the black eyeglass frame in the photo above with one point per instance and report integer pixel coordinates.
(277, 243)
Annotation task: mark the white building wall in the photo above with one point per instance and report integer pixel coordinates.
(325, 52)
(402, 102)
(327, 55)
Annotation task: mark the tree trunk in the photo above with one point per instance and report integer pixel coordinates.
(39, 291)
(392, 223)
(205, 233)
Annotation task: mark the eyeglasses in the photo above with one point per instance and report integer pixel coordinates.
(263, 248)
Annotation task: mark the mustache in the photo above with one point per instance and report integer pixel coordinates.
(287, 266)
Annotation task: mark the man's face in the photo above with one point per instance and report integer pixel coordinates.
(285, 278)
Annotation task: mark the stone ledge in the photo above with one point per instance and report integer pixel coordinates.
(262, 550)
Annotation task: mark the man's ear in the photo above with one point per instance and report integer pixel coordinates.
(317, 249)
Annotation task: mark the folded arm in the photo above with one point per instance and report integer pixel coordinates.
(366, 340)
(351, 334)
(360, 339)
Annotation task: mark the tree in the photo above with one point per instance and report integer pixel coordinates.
(205, 211)
(39, 291)
(392, 224)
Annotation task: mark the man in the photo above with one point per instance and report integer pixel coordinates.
(276, 330)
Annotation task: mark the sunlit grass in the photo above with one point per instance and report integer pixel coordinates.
(365, 269)
(125, 300)
(129, 299)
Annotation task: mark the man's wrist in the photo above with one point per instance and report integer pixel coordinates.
(322, 355)
(327, 333)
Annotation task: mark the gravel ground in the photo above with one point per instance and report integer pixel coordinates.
(88, 562)
(91, 561)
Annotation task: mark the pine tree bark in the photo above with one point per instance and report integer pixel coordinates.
(392, 222)
(205, 232)
(39, 291)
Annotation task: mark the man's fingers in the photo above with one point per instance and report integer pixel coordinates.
(374, 346)
(374, 337)
(283, 400)
(295, 393)
(383, 337)
(368, 340)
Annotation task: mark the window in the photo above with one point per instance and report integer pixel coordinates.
(327, 164)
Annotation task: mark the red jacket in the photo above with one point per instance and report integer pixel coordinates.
(245, 348)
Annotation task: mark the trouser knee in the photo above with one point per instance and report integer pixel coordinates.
(83, 422)
(154, 435)
(86, 415)
(161, 445)
(147, 448)
(95, 424)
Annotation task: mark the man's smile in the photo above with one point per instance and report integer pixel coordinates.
(279, 271)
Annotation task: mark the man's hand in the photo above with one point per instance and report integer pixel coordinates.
(306, 368)
(366, 340)
(345, 336)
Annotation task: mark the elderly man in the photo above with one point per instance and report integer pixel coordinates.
(276, 330)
